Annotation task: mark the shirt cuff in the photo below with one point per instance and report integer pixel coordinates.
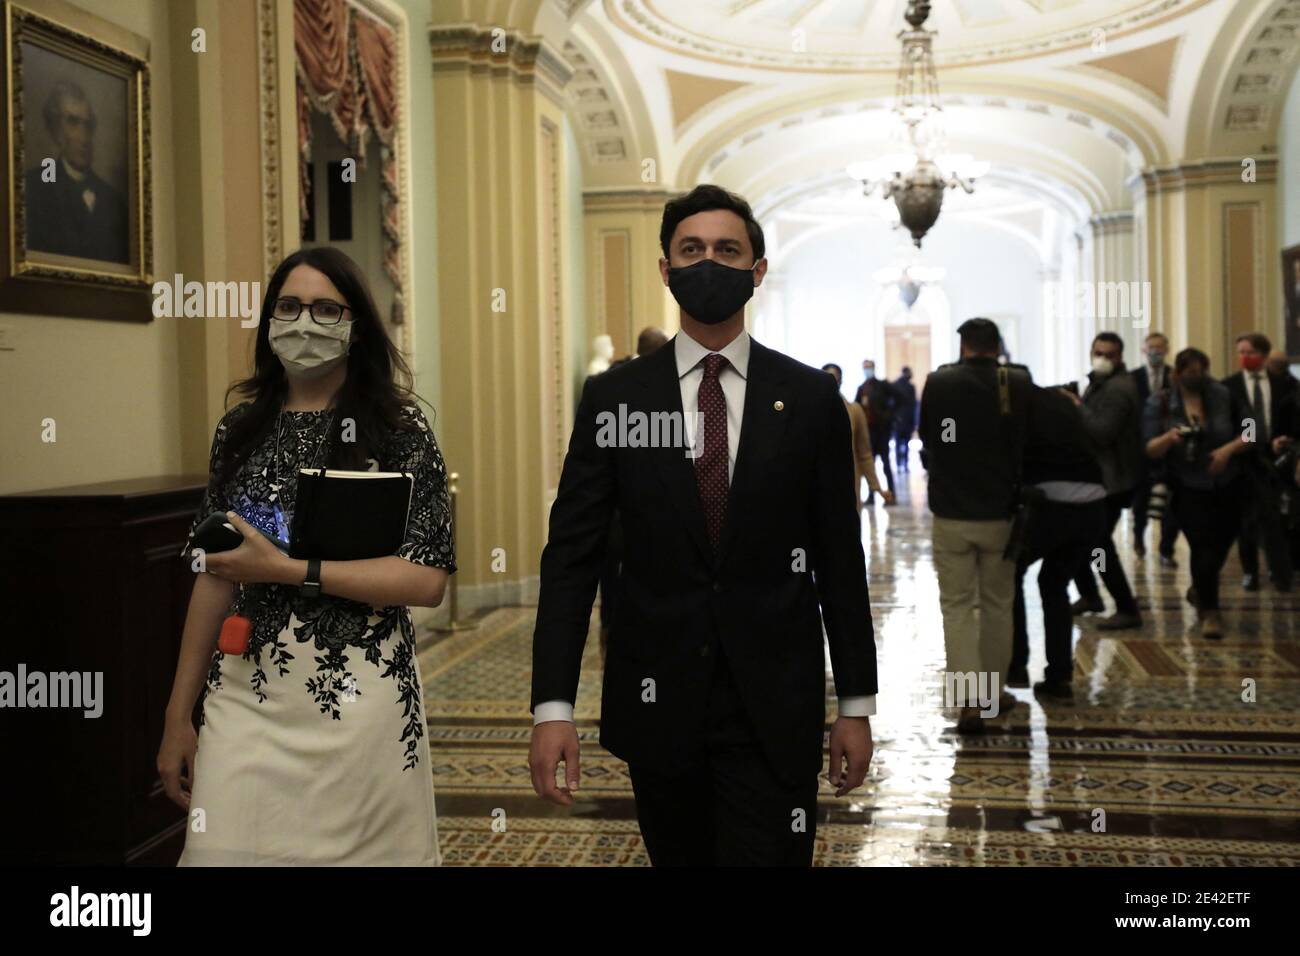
(858, 706)
(553, 710)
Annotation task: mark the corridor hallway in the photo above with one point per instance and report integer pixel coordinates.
(1158, 738)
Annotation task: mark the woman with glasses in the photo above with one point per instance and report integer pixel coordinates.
(1193, 428)
(312, 747)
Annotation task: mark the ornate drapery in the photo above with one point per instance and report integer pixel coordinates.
(346, 69)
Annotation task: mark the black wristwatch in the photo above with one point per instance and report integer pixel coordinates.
(310, 588)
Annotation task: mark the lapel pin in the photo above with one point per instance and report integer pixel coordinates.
(778, 405)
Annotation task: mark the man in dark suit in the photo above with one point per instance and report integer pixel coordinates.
(70, 210)
(880, 399)
(1268, 397)
(1111, 412)
(905, 421)
(737, 550)
(1153, 377)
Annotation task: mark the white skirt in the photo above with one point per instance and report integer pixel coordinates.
(278, 782)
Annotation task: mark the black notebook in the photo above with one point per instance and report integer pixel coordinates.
(348, 515)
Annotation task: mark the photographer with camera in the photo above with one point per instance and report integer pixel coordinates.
(1193, 429)
(1154, 375)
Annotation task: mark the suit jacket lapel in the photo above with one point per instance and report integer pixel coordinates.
(761, 428)
(659, 377)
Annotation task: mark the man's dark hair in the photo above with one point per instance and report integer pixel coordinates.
(1110, 338)
(839, 372)
(906, 372)
(52, 111)
(701, 199)
(980, 335)
(1258, 341)
(1157, 335)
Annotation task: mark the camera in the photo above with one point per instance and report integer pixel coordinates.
(1193, 435)
(1284, 466)
(1285, 463)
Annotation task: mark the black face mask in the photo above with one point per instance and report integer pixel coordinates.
(710, 292)
(1193, 383)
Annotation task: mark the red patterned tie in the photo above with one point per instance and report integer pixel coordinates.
(711, 464)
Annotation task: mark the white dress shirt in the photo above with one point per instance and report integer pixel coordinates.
(690, 372)
(1264, 428)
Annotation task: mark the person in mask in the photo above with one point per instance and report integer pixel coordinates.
(905, 419)
(1112, 416)
(1279, 365)
(739, 544)
(312, 745)
(1266, 397)
(864, 463)
(880, 400)
(1193, 429)
(1152, 377)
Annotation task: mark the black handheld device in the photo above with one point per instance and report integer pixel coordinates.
(215, 534)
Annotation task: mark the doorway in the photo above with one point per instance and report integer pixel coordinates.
(908, 345)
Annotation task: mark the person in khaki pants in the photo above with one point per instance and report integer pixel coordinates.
(864, 460)
(970, 429)
(977, 590)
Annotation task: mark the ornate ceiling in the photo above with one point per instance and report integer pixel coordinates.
(861, 36)
(775, 97)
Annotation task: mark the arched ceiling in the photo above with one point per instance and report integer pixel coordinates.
(855, 36)
(757, 94)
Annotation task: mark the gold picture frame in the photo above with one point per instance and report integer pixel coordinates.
(78, 236)
(1291, 302)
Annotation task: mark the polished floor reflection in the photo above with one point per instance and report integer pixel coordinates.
(1163, 758)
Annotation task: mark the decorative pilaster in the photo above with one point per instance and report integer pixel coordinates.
(499, 162)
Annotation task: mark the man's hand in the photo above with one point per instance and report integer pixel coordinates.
(851, 742)
(553, 741)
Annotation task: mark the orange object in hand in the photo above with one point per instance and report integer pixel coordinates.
(235, 632)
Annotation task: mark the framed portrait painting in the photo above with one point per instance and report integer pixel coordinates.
(77, 236)
(1291, 301)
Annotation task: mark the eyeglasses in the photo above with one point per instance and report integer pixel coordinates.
(322, 311)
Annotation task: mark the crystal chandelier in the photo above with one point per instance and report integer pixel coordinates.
(916, 173)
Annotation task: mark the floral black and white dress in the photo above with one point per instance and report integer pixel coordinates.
(312, 746)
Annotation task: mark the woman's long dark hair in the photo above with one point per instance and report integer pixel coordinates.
(377, 385)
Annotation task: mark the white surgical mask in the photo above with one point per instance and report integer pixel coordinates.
(1102, 366)
(309, 349)
(868, 373)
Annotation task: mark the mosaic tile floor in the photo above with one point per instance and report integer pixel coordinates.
(1158, 762)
